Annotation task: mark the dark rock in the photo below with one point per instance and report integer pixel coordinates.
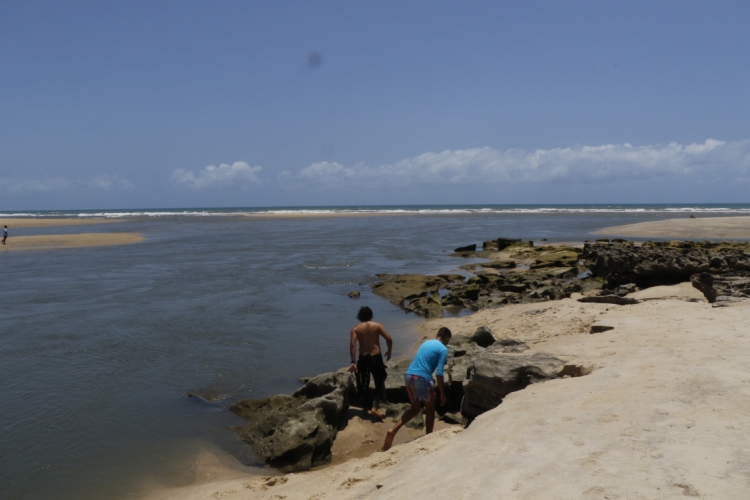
(425, 304)
(663, 263)
(623, 290)
(395, 390)
(610, 299)
(503, 243)
(397, 288)
(705, 283)
(721, 287)
(600, 328)
(483, 337)
(296, 432)
(493, 375)
(467, 248)
(354, 294)
(454, 419)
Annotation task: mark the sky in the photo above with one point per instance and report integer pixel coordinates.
(143, 104)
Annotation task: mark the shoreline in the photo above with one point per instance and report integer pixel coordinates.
(728, 228)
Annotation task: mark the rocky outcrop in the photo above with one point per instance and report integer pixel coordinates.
(295, 433)
(494, 290)
(416, 293)
(494, 374)
(718, 288)
(663, 263)
(467, 248)
(503, 243)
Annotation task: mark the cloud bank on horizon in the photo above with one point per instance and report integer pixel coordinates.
(712, 159)
(730, 160)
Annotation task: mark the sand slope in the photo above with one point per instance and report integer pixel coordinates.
(665, 414)
(709, 227)
(46, 242)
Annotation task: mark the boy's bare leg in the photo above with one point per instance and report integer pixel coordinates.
(410, 413)
(429, 416)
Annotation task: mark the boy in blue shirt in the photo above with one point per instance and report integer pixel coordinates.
(431, 356)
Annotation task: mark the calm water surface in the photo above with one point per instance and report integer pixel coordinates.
(100, 346)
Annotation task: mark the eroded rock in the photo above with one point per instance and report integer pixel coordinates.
(494, 375)
(407, 289)
(295, 433)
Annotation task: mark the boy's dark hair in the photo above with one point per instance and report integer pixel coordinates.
(444, 333)
(364, 314)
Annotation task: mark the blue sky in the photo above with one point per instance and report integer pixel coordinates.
(197, 104)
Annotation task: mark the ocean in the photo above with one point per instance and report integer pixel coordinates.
(101, 346)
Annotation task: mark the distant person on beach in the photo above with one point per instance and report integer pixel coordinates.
(5, 234)
(370, 361)
(431, 356)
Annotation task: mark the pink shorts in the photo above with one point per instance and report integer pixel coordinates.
(419, 389)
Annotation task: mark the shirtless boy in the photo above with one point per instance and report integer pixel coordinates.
(370, 361)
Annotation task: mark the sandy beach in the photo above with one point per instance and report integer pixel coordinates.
(18, 222)
(663, 414)
(52, 241)
(709, 227)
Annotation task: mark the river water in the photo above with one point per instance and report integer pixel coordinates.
(100, 346)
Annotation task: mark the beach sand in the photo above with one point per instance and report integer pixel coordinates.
(708, 227)
(663, 414)
(16, 223)
(51, 241)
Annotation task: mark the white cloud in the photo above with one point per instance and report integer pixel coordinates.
(709, 160)
(238, 173)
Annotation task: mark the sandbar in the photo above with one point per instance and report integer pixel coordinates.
(707, 227)
(17, 222)
(51, 241)
(662, 415)
(319, 215)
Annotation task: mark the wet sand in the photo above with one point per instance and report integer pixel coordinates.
(52, 241)
(709, 227)
(17, 223)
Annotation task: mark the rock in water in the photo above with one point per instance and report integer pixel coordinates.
(467, 248)
(483, 337)
(354, 294)
(494, 375)
(295, 433)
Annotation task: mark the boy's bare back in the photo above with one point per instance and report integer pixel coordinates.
(368, 335)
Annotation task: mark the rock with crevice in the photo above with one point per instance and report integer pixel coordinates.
(295, 432)
(494, 374)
